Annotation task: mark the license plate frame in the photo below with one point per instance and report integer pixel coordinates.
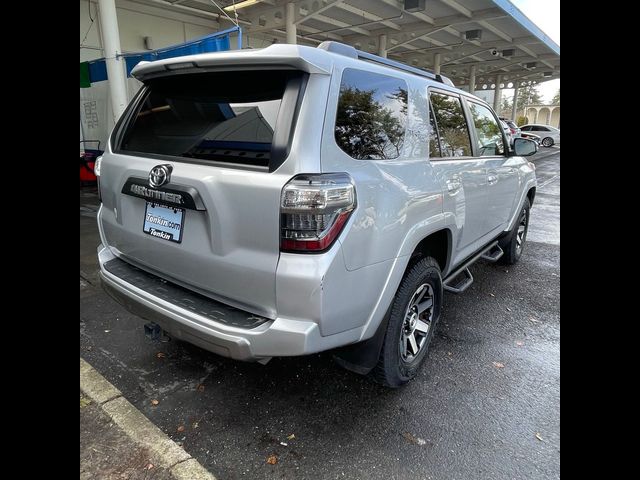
(163, 222)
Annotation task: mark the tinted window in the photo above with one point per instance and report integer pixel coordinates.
(487, 130)
(226, 116)
(452, 126)
(526, 129)
(434, 142)
(372, 115)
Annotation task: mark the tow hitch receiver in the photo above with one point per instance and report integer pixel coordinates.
(154, 331)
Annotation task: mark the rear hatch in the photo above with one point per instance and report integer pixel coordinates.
(219, 138)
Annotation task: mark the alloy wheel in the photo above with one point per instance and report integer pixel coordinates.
(416, 326)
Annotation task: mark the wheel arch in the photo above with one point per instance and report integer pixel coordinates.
(362, 357)
(438, 245)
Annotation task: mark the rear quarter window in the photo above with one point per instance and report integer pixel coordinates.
(371, 116)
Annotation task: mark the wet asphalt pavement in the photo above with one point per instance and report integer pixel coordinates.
(486, 404)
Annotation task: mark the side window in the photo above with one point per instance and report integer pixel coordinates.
(434, 142)
(452, 126)
(526, 129)
(487, 130)
(372, 115)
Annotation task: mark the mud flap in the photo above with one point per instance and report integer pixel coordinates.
(361, 357)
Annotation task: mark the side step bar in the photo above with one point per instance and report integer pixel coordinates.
(491, 252)
(462, 284)
(494, 254)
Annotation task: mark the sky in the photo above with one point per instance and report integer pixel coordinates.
(546, 15)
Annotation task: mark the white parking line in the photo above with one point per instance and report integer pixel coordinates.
(555, 177)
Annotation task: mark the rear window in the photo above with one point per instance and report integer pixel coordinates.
(227, 117)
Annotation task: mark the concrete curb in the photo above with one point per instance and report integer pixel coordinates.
(164, 451)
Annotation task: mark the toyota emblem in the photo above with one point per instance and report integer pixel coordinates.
(160, 175)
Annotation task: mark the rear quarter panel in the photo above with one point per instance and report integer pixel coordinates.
(399, 200)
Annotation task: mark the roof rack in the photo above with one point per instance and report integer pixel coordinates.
(349, 51)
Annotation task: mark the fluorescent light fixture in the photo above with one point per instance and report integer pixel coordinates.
(240, 5)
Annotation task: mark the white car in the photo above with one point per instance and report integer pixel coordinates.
(550, 135)
(531, 136)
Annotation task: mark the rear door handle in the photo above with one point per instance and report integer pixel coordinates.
(492, 178)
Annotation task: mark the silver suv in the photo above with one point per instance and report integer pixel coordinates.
(290, 200)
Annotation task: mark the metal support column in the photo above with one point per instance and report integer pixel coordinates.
(472, 79)
(116, 71)
(514, 111)
(497, 94)
(382, 45)
(290, 19)
(436, 63)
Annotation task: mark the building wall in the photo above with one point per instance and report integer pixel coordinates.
(544, 114)
(137, 21)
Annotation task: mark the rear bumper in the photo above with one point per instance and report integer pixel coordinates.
(279, 337)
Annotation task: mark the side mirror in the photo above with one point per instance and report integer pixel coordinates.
(524, 147)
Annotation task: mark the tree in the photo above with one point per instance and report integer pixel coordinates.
(506, 106)
(556, 98)
(366, 128)
(529, 95)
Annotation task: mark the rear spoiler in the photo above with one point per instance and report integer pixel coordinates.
(306, 59)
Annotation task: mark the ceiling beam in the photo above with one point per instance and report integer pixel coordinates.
(494, 61)
(314, 31)
(318, 12)
(459, 8)
(369, 16)
(413, 39)
(342, 25)
(165, 10)
(495, 30)
(488, 45)
(420, 28)
(534, 55)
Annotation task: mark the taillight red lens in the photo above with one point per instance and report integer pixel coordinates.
(314, 210)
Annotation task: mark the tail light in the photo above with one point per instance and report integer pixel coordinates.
(96, 171)
(313, 211)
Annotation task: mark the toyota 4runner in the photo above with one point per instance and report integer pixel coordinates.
(290, 200)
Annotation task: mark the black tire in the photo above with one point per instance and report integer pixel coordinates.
(393, 370)
(512, 247)
(547, 142)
